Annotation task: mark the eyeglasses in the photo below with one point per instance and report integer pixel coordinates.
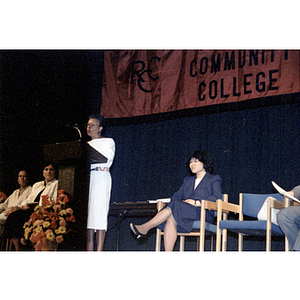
(91, 125)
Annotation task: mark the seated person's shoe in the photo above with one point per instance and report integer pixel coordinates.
(137, 234)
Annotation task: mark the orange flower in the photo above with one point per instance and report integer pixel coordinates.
(69, 210)
(49, 212)
(45, 200)
(63, 223)
(35, 237)
(33, 217)
(59, 238)
(56, 207)
(61, 191)
(65, 199)
(62, 197)
(44, 211)
(53, 224)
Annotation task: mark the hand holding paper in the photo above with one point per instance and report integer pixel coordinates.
(284, 193)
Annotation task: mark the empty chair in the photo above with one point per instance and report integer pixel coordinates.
(250, 205)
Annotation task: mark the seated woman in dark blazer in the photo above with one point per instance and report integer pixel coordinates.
(184, 208)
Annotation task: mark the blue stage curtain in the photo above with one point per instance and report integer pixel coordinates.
(250, 144)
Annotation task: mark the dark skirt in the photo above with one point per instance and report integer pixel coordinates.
(13, 227)
(185, 215)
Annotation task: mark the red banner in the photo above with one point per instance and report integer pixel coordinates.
(143, 82)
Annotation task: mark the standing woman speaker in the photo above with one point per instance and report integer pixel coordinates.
(102, 151)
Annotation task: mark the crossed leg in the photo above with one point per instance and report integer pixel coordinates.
(170, 233)
(170, 228)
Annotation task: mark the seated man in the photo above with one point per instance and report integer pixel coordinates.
(289, 221)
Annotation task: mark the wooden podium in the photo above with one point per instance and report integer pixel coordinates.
(73, 177)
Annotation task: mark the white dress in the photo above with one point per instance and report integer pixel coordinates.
(100, 185)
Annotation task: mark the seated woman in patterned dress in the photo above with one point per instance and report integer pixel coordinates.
(184, 208)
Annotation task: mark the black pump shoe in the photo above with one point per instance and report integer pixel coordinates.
(137, 234)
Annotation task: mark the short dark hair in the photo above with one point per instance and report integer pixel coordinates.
(202, 156)
(99, 118)
(54, 165)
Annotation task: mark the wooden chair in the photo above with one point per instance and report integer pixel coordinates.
(249, 205)
(209, 229)
(9, 244)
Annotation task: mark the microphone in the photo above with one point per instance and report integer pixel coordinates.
(75, 126)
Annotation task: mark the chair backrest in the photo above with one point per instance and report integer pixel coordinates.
(223, 198)
(252, 203)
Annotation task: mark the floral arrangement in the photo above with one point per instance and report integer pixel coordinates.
(49, 223)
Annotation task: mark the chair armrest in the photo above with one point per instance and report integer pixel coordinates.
(228, 207)
(206, 204)
(289, 202)
(274, 203)
(160, 205)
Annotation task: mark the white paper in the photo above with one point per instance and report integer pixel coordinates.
(164, 200)
(283, 192)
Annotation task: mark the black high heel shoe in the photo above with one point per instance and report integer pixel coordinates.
(137, 234)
